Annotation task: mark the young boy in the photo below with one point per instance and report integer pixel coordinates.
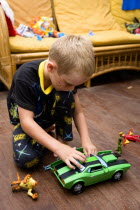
(43, 94)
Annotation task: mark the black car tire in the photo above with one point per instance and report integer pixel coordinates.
(78, 188)
(117, 176)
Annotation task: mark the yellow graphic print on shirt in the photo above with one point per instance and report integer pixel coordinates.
(57, 98)
(61, 131)
(68, 120)
(73, 105)
(13, 111)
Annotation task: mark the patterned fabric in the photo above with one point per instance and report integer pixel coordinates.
(27, 152)
(49, 107)
(59, 111)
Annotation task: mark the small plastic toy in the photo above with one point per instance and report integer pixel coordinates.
(57, 34)
(96, 169)
(120, 142)
(130, 137)
(91, 33)
(137, 31)
(27, 183)
(133, 27)
(42, 26)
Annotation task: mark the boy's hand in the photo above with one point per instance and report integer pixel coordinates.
(70, 156)
(89, 148)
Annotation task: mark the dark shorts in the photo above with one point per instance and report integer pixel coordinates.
(27, 152)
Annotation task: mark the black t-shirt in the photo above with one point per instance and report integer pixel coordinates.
(26, 92)
(26, 86)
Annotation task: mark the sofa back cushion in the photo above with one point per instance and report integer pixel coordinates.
(122, 16)
(25, 10)
(78, 16)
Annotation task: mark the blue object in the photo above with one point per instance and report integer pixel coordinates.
(50, 34)
(90, 33)
(60, 34)
(39, 38)
(131, 4)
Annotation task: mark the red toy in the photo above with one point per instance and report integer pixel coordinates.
(137, 31)
(130, 137)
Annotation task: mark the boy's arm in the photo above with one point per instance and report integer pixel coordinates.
(65, 152)
(81, 125)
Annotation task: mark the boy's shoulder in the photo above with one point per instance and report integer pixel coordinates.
(31, 65)
(28, 71)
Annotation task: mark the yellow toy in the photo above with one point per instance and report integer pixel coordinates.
(27, 183)
(42, 26)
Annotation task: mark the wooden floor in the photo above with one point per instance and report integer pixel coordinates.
(111, 105)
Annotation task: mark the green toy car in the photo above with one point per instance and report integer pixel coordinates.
(96, 169)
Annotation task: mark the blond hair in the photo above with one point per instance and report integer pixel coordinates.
(73, 53)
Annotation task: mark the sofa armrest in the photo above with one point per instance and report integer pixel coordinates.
(4, 35)
(5, 54)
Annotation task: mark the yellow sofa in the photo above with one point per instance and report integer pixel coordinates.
(115, 48)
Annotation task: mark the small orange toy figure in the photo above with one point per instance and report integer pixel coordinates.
(27, 183)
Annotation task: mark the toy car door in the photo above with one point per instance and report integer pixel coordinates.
(96, 174)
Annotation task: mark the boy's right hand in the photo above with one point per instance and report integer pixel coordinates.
(70, 156)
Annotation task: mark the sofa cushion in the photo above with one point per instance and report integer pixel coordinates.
(78, 16)
(122, 16)
(107, 38)
(24, 11)
(19, 44)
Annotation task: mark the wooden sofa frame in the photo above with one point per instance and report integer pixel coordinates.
(108, 58)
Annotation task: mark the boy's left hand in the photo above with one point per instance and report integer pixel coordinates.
(89, 148)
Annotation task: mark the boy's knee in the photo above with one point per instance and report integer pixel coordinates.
(27, 163)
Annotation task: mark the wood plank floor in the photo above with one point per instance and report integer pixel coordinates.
(111, 106)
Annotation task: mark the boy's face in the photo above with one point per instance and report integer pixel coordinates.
(66, 82)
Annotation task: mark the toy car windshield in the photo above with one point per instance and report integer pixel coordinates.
(101, 161)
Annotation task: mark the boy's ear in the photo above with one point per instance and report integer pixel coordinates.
(51, 66)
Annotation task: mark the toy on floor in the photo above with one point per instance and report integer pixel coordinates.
(130, 137)
(120, 142)
(27, 183)
(97, 168)
(133, 28)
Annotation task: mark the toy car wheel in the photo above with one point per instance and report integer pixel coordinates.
(117, 176)
(78, 188)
